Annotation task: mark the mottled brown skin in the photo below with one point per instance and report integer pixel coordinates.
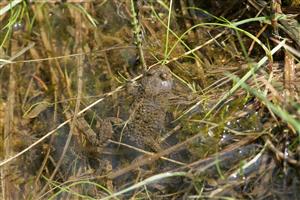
(147, 120)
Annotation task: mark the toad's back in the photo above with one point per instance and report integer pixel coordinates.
(148, 115)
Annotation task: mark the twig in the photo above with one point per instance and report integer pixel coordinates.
(146, 152)
(281, 155)
(152, 158)
(18, 54)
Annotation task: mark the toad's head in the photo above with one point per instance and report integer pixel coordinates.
(157, 80)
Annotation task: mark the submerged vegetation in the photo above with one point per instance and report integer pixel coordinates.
(119, 99)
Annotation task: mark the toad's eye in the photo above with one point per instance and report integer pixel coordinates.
(163, 76)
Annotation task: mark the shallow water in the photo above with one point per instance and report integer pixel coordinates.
(69, 55)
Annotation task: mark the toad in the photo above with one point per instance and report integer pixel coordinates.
(148, 115)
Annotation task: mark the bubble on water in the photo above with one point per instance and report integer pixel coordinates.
(233, 177)
(241, 152)
(18, 26)
(225, 138)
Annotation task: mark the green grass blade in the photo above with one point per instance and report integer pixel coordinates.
(278, 110)
(253, 69)
(9, 6)
(167, 34)
(145, 182)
